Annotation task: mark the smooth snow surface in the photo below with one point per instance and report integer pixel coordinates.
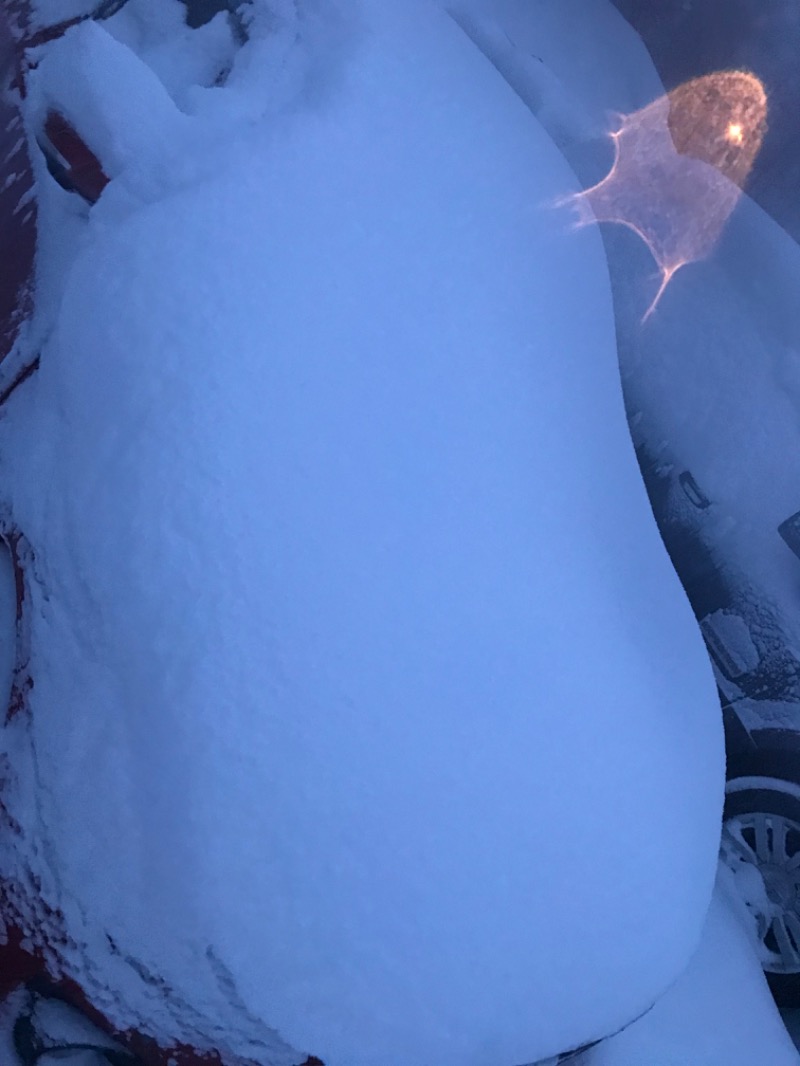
(719, 1013)
(555, 54)
(371, 719)
(569, 43)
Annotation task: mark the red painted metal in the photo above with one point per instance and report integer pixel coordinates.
(81, 170)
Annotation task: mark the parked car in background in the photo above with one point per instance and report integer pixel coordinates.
(751, 634)
(712, 389)
(721, 459)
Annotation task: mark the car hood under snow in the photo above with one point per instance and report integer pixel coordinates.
(361, 676)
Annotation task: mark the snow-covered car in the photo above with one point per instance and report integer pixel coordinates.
(719, 454)
(713, 397)
(712, 390)
(364, 716)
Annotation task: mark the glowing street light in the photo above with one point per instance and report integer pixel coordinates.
(680, 166)
(735, 133)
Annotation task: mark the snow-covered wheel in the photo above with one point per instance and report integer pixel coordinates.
(761, 848)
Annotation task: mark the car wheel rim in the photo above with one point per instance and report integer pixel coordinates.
(763, 852)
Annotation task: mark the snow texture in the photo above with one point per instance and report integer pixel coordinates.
(719, 1013)
(369, 717)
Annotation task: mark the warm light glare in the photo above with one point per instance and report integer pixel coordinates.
(680, 166)
(735, 133)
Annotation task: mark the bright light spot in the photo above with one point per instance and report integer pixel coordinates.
(680, 166)
(734, 133)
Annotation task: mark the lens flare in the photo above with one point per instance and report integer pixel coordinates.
(735, 133)
(680, 166)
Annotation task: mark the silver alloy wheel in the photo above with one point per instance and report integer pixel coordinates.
(762, 851)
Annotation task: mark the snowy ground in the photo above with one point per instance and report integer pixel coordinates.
(719, 1012)
(358, 660)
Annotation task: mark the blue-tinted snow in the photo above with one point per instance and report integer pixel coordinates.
(719, 1012)
(358, 657)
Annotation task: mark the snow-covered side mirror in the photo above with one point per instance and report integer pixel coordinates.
(70, 160)
(100, 112)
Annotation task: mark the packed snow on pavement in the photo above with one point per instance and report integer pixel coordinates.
(369, 719)
(718, 1013)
